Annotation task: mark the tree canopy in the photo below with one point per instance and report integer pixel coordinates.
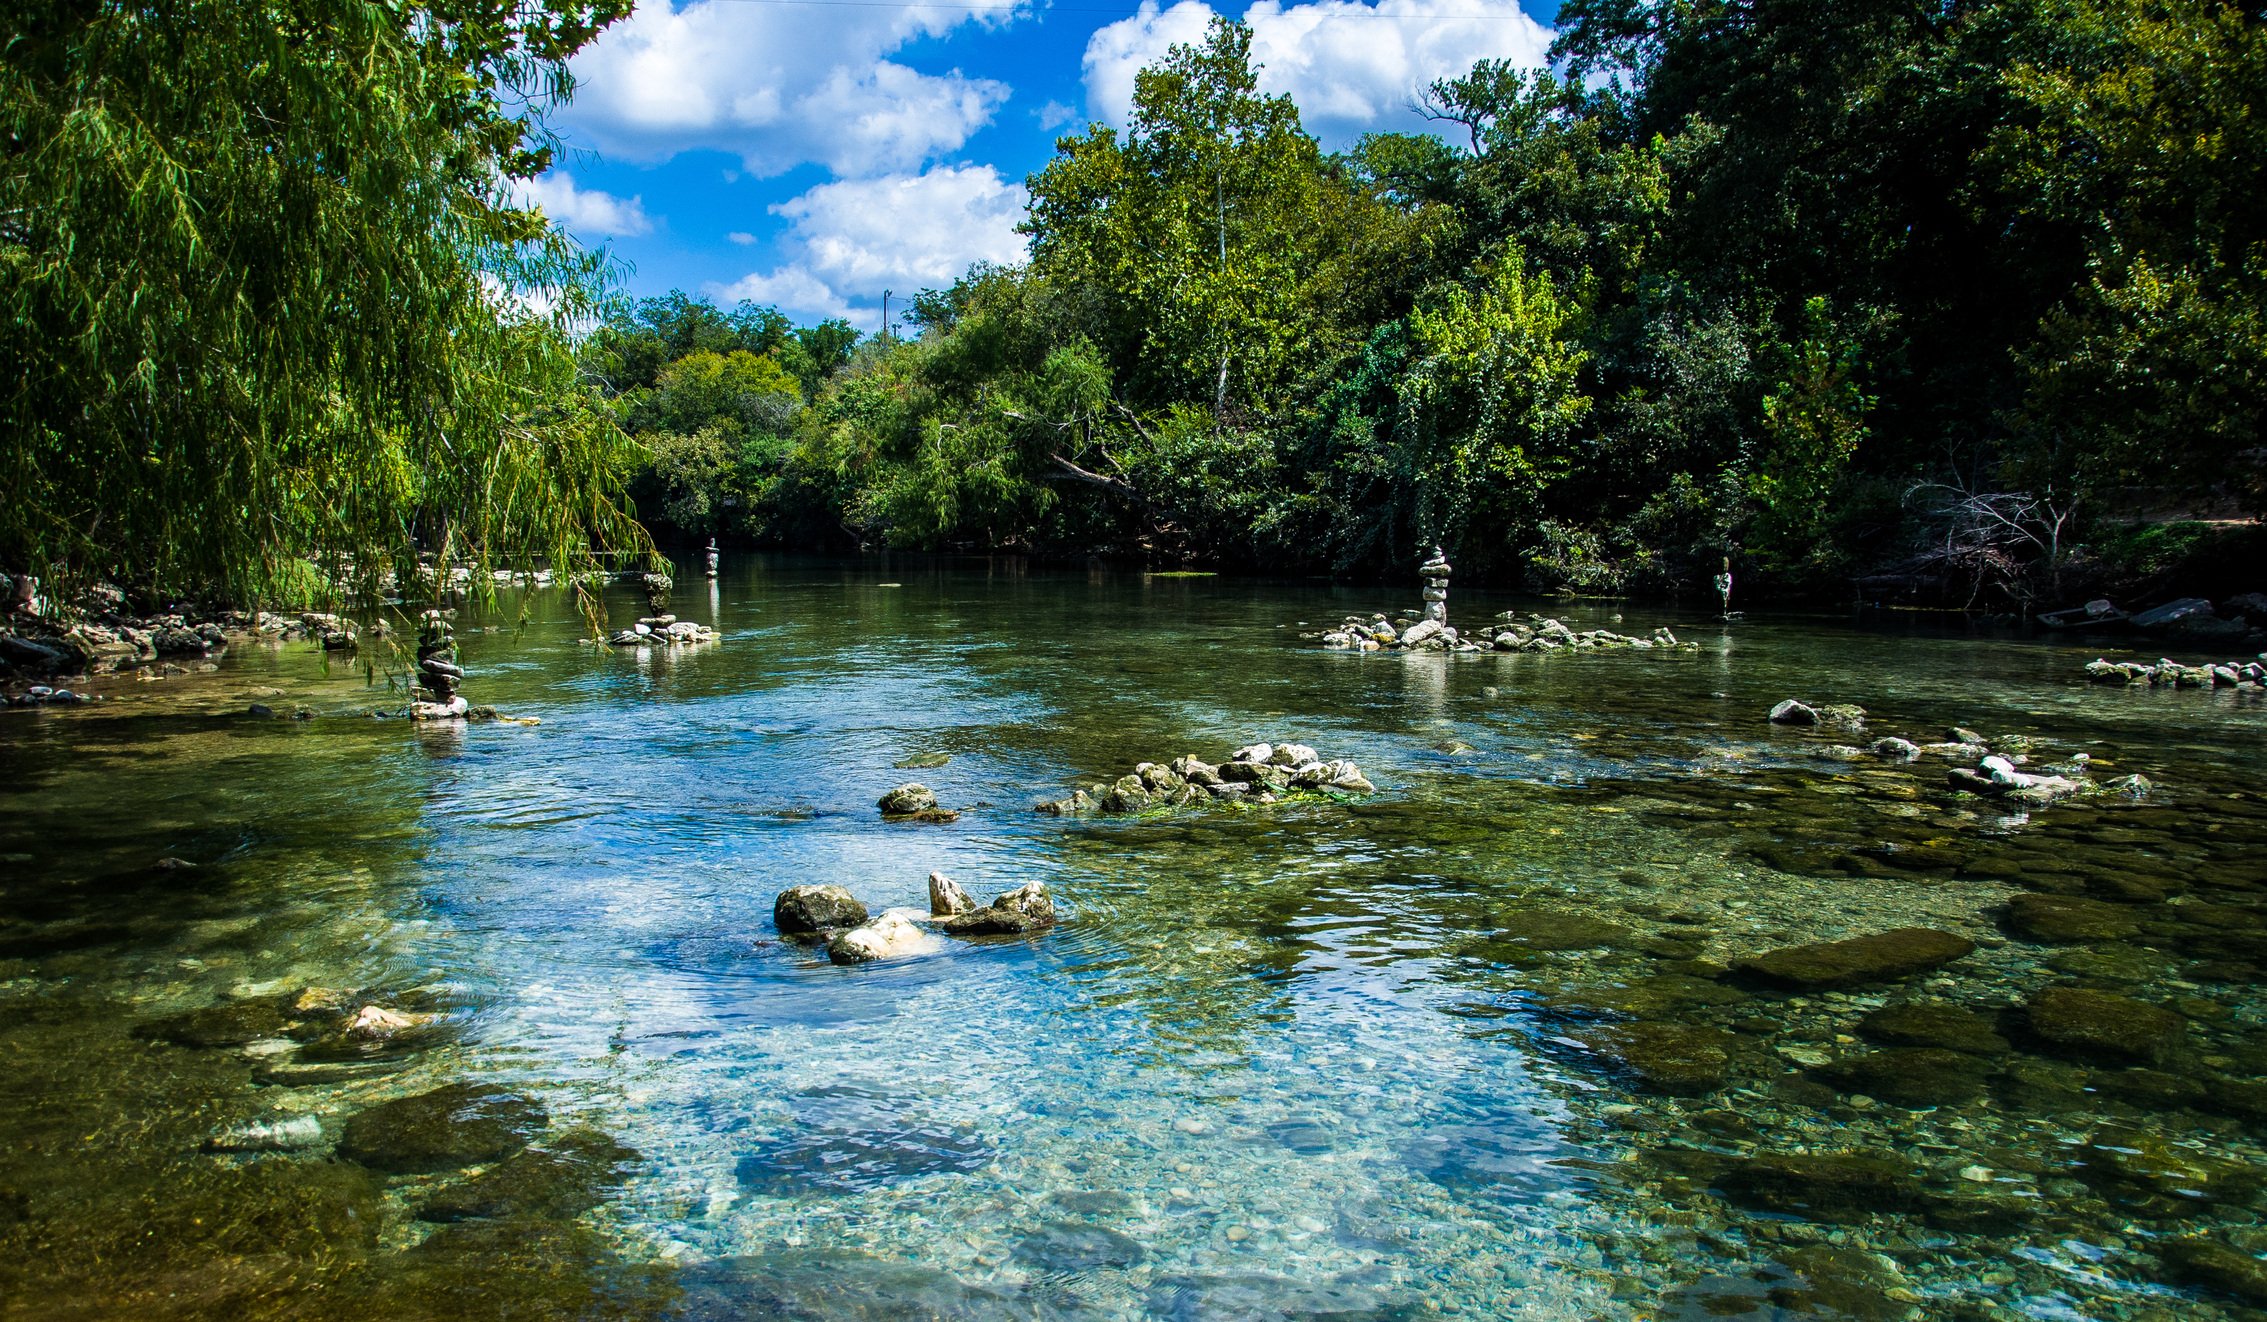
(273, 298)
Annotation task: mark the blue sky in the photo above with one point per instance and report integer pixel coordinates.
(812, 153)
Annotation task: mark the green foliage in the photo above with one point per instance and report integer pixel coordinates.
(268, 294)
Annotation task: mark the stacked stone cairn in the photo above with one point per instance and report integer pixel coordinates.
(437, 671)
(1257, 773)
(659, 627)
(1435, 573)
(2168, 673)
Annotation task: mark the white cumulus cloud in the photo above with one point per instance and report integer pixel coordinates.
(1352, 68)
(778, 85)
(586, 211)
(849, 240)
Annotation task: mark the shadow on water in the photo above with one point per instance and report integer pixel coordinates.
(337, 1017)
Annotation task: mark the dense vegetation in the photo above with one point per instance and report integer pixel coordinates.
(1943, 294)
(271, 302)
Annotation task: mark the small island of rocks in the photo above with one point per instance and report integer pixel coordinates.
(1255, 773)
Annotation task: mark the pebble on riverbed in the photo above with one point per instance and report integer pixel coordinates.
(1255, 773)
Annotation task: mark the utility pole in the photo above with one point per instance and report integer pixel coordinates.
(885, 313)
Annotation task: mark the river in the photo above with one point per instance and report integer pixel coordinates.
(1472, 1046)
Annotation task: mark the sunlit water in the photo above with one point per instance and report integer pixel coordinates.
(1341, 1059)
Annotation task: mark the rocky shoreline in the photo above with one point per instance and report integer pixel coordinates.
(2167, 673)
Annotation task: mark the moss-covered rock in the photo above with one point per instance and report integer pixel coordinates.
(2210, 1265)
(451, 1127)
(1825, 1186)
(2068, 919)
(1683, 1060)
(1882, 957)
(1939, 1024)
(1909, 1076)
(810, 910)
(2104, 1027)
(567, 1176)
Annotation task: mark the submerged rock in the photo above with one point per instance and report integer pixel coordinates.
(1682, 1060)
(2067, 919)
(808, 910)
(1934, 1024)
(2210, 1265)
(1826, 1186)
(1791, 712)
(456, 1125)
(283, 1134)
(1882, 957)
(569, 1175)
(1073, 1246)
(2105, 1027)
(1909, 1076)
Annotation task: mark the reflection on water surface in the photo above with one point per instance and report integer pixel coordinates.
(1472, 1047)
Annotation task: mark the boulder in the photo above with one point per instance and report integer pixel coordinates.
(1909, 1076)
(946, 898)
(1423, 631)
(1822, 1185)
(2068, 919)
(1252, 753)
(1293, 755)
(568, 1176)
(2105, 1028)
(1792, 712)
(2209, 1265)
(1682, 1060)
(894, 935)
(808, 910)
(450, 1127)
(1882, 957)
(906, 800)
(1024, 909)
(1936, 1024)
(1904, 750)
(2173, 613)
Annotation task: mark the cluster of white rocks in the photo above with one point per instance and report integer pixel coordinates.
(2167, 673)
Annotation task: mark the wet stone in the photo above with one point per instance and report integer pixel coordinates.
(1073, 1246)
(1883, 957)
(1934, 1024)
(1825, 1186)
(1304, 1137)
(569, 1175)
(230, 1024)
(1551, 930)
(852, 1138)
(453, 1126)
(2207, 1265)
(1909, 1076)
(1682, 1060)
(1093, 1202)
(809, 910)
(2105, 1027)
(1263, 1298)
(2064, 919)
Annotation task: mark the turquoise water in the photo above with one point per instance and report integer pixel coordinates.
(1470, 1047)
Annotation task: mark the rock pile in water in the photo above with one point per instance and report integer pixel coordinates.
(1991, 770)
(1373, 633)
(1256, 773)
(914, 803)
(833, 916)
(664, 630)
(437, 671)
(2167, 673)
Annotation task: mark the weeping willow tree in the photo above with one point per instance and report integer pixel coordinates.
(271, 301)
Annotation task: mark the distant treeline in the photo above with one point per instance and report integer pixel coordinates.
(1945, 297)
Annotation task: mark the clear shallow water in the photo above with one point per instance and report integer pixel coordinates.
(1310, 1059)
